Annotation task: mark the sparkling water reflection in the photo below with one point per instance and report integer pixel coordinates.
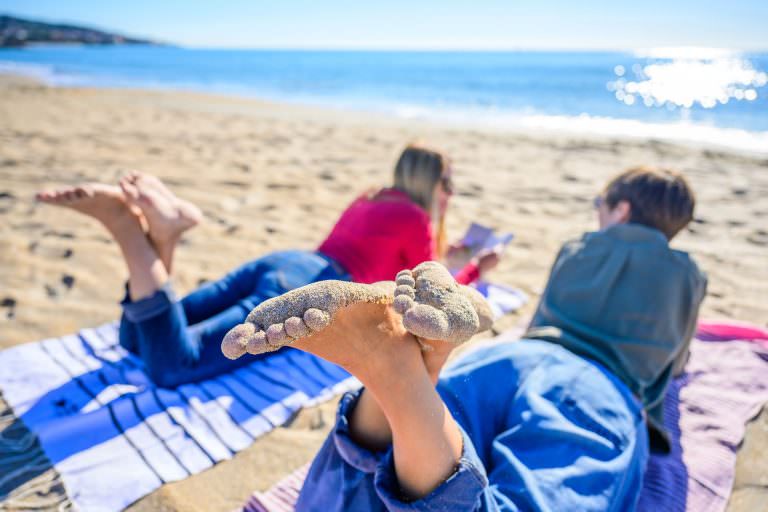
(682, 78)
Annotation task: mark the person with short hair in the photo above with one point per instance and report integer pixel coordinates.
(554, 421)
(621, 296)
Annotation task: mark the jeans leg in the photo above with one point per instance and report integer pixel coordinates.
(556, 432)
(173, 352)
(155, 328)
(180, 341)
(206, 337)
(214, 297)
(127, 335)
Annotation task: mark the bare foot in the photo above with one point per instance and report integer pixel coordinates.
(328, 313)
(167, 215)
(105, 203)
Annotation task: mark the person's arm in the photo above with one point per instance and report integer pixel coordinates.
(483, 262)
(469, 273)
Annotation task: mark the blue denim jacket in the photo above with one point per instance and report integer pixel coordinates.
(624, 298)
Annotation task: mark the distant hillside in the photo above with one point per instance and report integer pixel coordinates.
(19, 32)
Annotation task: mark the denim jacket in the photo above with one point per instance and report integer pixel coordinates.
(623, 298)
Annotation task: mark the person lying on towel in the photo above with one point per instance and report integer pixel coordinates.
(557, 421)
(178, 340)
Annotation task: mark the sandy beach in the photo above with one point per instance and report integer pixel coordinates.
(270, 176)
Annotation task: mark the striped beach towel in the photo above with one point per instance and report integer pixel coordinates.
(706, 410)
(114, 437)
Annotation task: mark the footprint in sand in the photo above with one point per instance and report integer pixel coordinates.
(7, 200)
(46, 251)
(758, 237)
(10, 304)
(739, 191)
(68, 281)
(433, 306)
(282, 186)
(51, 291)
(59, 234)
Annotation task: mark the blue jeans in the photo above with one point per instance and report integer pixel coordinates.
(179, 341)
(543, 429)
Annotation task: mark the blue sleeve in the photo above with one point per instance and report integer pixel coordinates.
(345, 476)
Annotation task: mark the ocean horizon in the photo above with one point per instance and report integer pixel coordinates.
(696, 95)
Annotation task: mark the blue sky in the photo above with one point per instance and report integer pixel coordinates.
(425, 24)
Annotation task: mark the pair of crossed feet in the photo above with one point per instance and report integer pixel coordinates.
(346, 323)
(138, 197)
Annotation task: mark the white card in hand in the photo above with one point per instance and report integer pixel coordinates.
(479, 237)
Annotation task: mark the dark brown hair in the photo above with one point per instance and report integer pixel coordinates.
(658, 198)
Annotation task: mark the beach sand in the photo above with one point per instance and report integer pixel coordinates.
(270, 176)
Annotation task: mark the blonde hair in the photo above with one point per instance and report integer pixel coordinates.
(417, 172)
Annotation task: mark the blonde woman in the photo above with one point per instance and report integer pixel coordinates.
(179, 341)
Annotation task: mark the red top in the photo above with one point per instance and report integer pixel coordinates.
(376, 238)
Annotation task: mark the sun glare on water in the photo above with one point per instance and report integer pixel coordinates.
(683, 77)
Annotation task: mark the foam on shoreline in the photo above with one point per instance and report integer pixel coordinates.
(684, 131)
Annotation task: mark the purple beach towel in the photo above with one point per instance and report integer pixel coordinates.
(725, 385)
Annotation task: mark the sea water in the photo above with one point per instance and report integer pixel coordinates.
(709, 96)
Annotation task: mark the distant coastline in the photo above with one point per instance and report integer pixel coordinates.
(19, 33)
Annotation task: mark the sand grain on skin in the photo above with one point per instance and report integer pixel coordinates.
(433, 306)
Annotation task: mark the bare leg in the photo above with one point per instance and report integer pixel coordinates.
(369, 426)
(107, 204)
(370, 342)
(168, 216)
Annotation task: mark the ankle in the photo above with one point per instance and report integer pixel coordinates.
(165, 250)
(122, 224)
(388, 374)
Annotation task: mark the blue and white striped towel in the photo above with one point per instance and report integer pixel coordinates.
(115, 437)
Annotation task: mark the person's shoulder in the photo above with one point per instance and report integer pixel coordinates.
(392, 207)
(396, 202)
(578, 244)
(688, 261)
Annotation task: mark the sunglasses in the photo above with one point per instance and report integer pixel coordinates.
(598, 201)
(447, 183)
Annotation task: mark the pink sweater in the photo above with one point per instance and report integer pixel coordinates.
(376, 238)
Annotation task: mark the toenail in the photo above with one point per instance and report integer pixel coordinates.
(405, 290)
(317, 319)
(296, 328)
(402, 303)
(257, 343)
(402, 273)
(233, 345)
(276, 334)
(405, 281)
